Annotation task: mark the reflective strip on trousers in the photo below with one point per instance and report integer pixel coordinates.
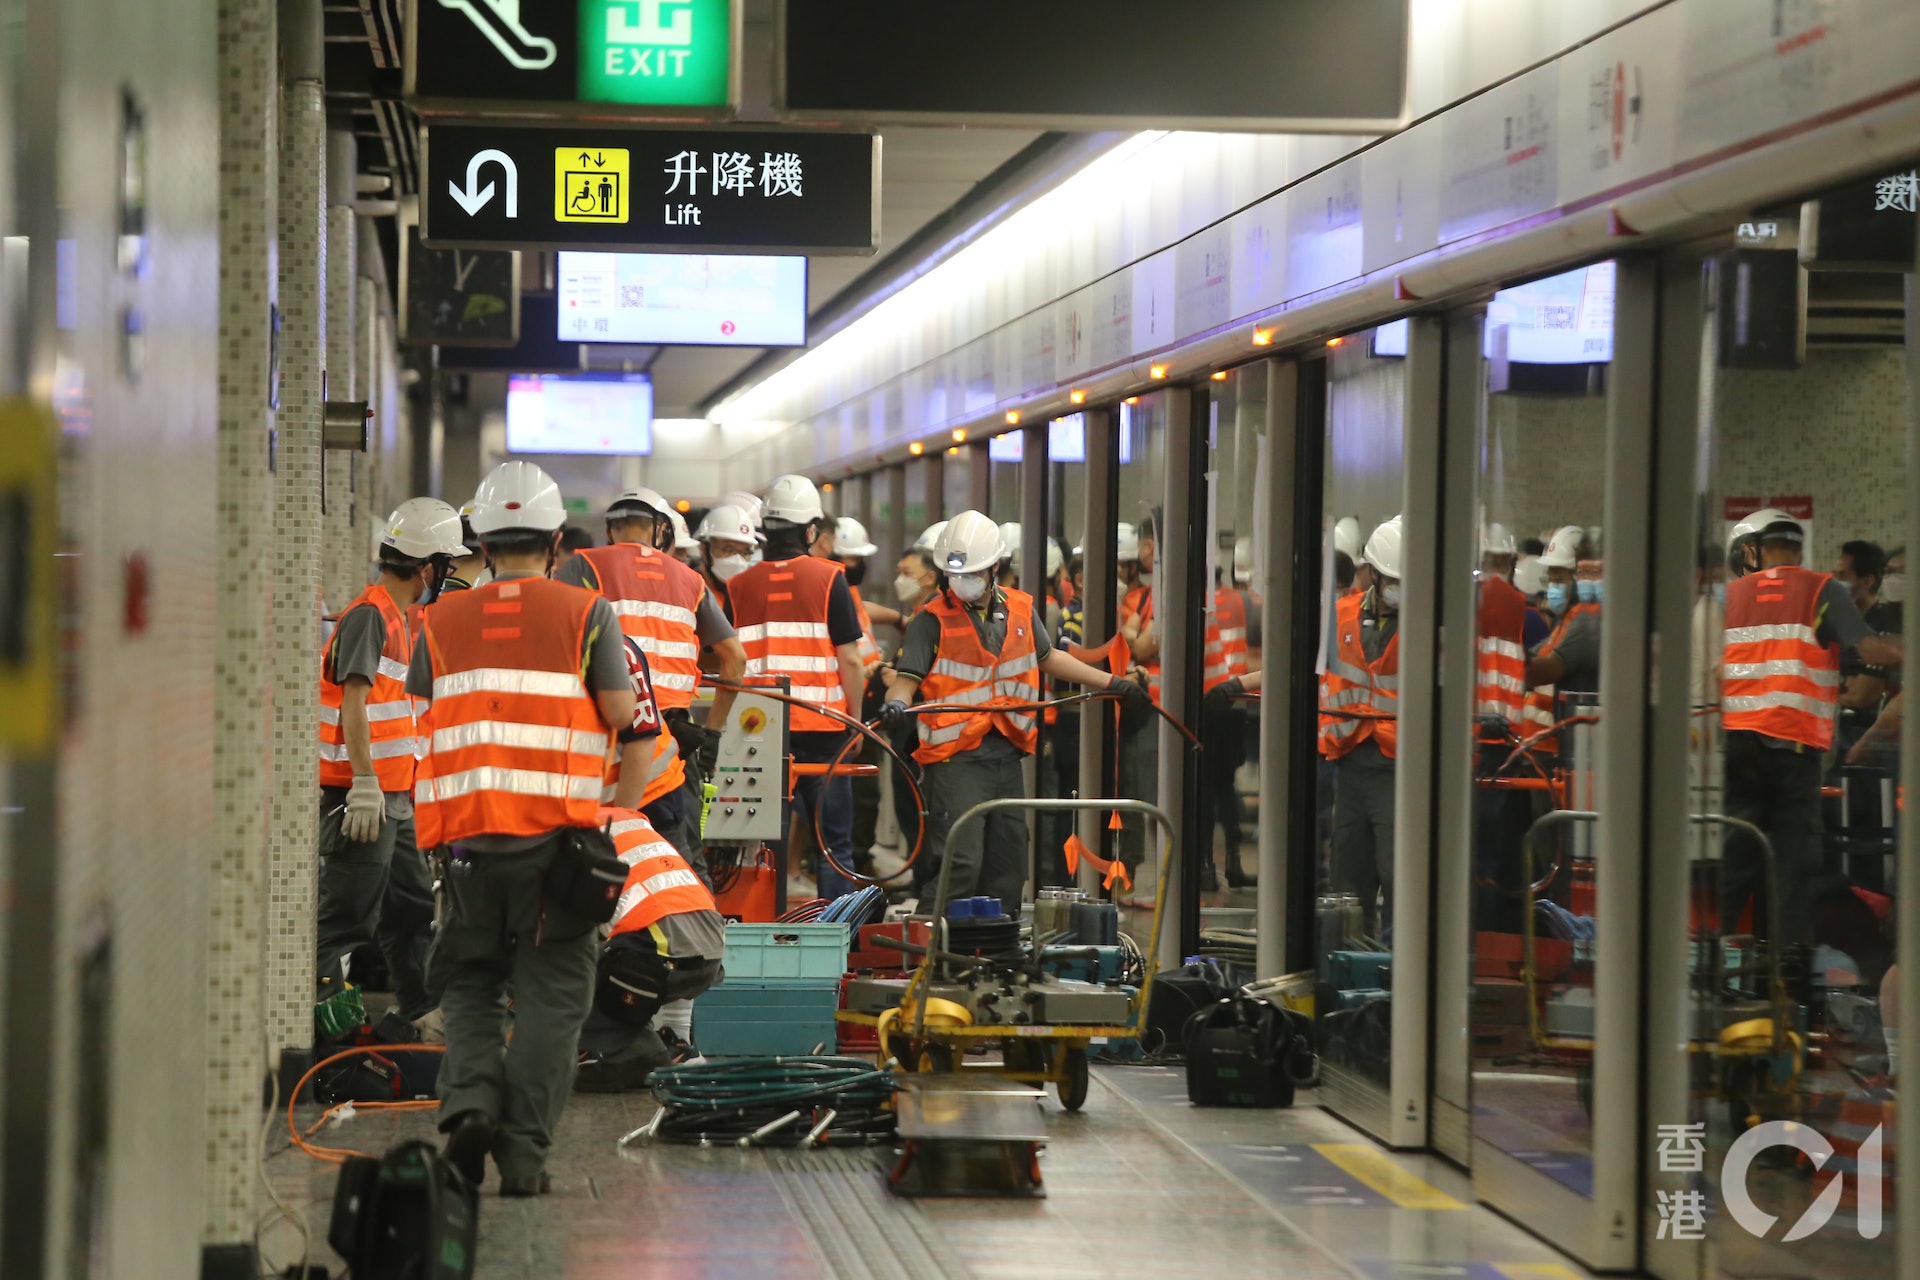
(519, 782)
(528, 737)
(549, 684)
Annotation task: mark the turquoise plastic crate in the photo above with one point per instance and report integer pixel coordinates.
(786, 952)
(750, 1019)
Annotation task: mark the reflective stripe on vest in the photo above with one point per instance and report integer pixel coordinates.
(1500, 653)
(966, 674)
(657, 599)
(391, 733)
(780, 608)
(518, 747)
(659, 881)
(1226, 647)
(1777, 679)
(1356, 685)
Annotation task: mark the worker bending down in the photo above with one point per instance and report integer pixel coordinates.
(974, 643)
(528, 681)
(666, 947)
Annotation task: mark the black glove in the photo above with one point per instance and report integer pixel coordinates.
(1220, 698)
(1132, 697)
(707, 753)
(893, 713)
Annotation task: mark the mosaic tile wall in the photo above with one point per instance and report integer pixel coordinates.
(293, 820)
(344, 558)
(1546, 458)
(236, 1058)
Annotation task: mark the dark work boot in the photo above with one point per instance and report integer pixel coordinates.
(1237, 878)
(1209, 877)
(468, 1144)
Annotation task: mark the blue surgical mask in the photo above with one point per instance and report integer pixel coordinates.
(1591, 591)
(1557, 597)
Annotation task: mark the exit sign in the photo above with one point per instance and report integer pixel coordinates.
(631, 59)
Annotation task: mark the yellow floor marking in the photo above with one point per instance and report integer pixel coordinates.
(1535, 1271)
(1377, 1170)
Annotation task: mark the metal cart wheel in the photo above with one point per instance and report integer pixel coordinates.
(934, 1058)
(1075, 1076)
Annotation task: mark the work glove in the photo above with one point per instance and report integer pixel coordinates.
(893, 713)
(707, 754)
(366, 810)
(1134, 700)
(1220, 699)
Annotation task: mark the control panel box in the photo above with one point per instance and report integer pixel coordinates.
(750, 774)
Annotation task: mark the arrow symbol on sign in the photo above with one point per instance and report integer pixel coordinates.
(472, 199)
(583, 157)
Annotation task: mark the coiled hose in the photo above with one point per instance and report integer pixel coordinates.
(773, 1102)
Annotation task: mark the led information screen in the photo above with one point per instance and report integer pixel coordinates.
(683, 298)
(1096, 64)
(495, 186)
(1564, 319)
(659, 58)
(580, 413)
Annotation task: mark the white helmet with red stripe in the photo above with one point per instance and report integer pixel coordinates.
(517, 495)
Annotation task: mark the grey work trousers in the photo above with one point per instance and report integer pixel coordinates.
(616, 1041)
(500, 932)
(990, 857)
(1139, 780)
(1363, 832)
(380, 892)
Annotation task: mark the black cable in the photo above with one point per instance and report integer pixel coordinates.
(738, 1098)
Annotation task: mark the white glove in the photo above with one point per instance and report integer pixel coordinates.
(366, 810)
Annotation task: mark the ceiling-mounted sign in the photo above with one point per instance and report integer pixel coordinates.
(458, 297)
(657, 190)
(1292, 65)
(1870, 224)
(636, 59)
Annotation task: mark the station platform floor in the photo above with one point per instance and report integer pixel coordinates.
(1140, 1182)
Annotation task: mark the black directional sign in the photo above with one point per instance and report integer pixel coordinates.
(458, 297)
(662, 190)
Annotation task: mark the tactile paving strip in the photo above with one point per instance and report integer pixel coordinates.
(859, 1229)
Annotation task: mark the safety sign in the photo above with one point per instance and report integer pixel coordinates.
(590, 185)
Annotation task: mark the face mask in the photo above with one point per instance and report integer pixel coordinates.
(968, 587)
(906, 589)
(1390, 596)
(1557, 597)
(1146, 577)
(727, 566)
(1893, 588)
(1591, 592)
(856, 574)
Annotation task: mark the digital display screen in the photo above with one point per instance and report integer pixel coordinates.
(688, 299)
(1006, 447)
(1564, 319)
(1067, 437)
(1390, 340)
(580, 413)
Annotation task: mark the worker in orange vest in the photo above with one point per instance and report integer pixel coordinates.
(975, 643)
(1569, 659)
(727, 540)
(797, 619)
(528, 684)
(666, 945)
(1786, 630)
(1500, 817)
(1135, 551)
(374, 882)
(1223, 731)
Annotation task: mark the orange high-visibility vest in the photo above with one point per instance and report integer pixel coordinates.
(1353, 684)
(1541, 709)
(657, 599)
(780, 609)
(869, 647)
(659, 881)
(1138, 605)
(518, 745)
(390, 713)
(1226, 655)
(1500, 652)
(964, 672)
(1776, 678)
(646, 715)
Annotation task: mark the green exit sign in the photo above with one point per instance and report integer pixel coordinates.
(673, 53)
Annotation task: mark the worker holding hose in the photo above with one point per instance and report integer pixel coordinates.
(974, 645)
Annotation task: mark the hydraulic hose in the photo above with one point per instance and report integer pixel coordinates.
(774, 1101)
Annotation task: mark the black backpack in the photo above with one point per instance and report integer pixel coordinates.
(407, 1215)
(1244, 1052)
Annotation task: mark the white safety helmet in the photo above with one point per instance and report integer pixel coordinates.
(517, 495)
(682, 540)
(1010, 541)
(1563, 549)
(850, 538)
(1056, 559)
(930, 536)
(745, 503)
(1242, 561)
(793, 499)
(1766, 523)
(420, 528)
(639, 502)
(1346, 537)
(1383, 549)
(969, 544)
(1498, 540)
(727, 522)
(467, 535)
(1126, 542)
(1529, 575)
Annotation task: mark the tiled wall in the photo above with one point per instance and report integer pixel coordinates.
(344, 560)
(1366, 437)
(1545, 462)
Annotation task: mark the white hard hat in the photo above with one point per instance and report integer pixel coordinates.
(1529, 575)
(793, 499)
(969, 544)
(930, 536)
(728, 522)
(1056, 559)
(1242, 561)
(1126, 542)
(850, 538)
(1346, 537)
(1767, 522)
(1498, 541)
(639, 502)
(423, 527)
(682, 540)
(1010, 540)
(517, 495)
(1383, 549)
(745, 503)
(1563, 549)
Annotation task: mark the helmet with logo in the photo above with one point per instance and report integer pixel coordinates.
(1383, 549)
(1563, 548)
(1126, 542)
(728, 523)
(969, 544)
(794, 499)
(930, 536)
(682, 540)
(747, 504)
(517, 496)
(421, 528)
(850, 538)
(1768, 524)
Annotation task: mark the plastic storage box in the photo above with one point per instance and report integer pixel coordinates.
(785, 952)
(753, 1018)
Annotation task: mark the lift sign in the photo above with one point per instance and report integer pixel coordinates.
(590, 184)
